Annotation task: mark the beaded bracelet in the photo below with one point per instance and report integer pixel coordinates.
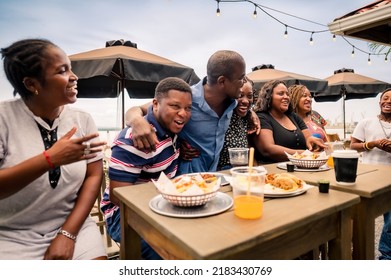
(66, 234)
(48, 159)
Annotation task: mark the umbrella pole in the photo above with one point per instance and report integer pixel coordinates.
(344, 117)
(123, 108)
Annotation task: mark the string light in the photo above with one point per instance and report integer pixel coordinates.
(255, 12)
(311, 42)
(286, 32)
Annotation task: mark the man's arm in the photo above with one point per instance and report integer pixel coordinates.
(255, 124)
(144, 136)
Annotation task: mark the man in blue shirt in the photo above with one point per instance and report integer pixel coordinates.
(214, 99)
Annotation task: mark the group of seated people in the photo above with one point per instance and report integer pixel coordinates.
(49, 186)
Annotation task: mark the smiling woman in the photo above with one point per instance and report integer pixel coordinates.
(54, 168)
(282, 131)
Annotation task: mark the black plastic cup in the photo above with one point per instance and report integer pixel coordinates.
(290, 167)
(345, 166)
(324, 186)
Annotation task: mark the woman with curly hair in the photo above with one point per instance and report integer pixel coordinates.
(281, 129)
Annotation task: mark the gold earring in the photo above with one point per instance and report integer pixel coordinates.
(36, 92)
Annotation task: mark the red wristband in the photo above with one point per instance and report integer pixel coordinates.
(48, 159)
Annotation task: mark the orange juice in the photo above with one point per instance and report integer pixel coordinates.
(330, 162)
(248, 206)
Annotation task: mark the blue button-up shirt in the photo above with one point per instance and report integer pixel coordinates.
(205, 131)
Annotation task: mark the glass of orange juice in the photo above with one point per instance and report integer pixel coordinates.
(247, 188)
(332, 146)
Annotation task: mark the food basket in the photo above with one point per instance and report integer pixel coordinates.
(308, 163)
(189, 200)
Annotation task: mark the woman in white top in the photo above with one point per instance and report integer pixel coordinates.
(50, 174)
(372, 137)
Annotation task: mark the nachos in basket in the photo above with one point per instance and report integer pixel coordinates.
(307, 155)
(284, 181)
(188, 185)
(205, 181)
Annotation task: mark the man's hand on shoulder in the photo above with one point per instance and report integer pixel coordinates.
(254, 124)
(143, 134)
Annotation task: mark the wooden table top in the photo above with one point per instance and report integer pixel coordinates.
(372, 180)
(222, 235)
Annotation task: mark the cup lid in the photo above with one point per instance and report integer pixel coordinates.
(238, 149)
(245, 170)
(345, 154)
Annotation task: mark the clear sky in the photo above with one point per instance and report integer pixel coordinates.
(188, 32)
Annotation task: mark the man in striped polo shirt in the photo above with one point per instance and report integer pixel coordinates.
(170, 111)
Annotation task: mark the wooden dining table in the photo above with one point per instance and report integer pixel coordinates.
(289, 227)
(373, 185)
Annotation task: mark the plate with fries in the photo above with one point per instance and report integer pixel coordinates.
(282, 165)
(221, 203)
(188, 190)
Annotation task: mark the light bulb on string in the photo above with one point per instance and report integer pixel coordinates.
(353, 52)
(334, 38)
(369, 59)
(218, 8)
(286, 32)
(311, 39)
(255, 12)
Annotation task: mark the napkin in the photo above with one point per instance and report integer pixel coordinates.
(307, 154)
(165, 185)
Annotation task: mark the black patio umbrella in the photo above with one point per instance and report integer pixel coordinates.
(263, 73)
(348, 85)
(107, 72)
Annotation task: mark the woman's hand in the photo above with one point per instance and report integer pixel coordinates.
(67, 150)
(315, 144)
(61, 248)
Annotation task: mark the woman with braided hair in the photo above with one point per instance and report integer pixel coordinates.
(301, 101)
(50, 174)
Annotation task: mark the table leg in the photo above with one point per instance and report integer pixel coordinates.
(129, 238)
(340, 247)
(363, 231)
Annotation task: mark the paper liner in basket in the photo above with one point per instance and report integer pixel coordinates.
(166, 186)
(307, 155)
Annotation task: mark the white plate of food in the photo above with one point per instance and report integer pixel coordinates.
(282, 165)
(220, 203)
(284, 185)
(270, 191)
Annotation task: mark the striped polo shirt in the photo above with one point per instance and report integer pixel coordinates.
(129, 164)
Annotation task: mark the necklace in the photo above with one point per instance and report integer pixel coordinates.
(384, 130)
